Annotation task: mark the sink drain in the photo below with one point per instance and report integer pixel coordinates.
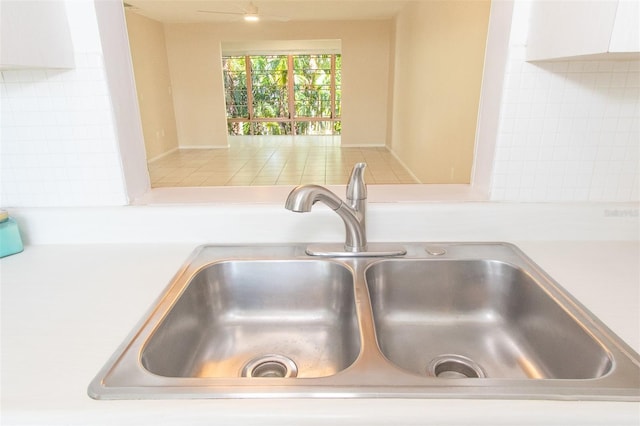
(277, 366)
(455, 367)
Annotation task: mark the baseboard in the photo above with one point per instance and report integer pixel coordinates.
(158, 157)
(404, 165)
(363, 145)
(204, 146)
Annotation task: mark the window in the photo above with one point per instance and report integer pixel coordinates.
(283, 94)
(236, 97)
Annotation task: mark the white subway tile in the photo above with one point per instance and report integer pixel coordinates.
(575, 66)
(588, 137)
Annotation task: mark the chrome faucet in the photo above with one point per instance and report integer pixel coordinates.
(352, 212)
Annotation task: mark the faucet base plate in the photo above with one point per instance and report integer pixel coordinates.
(373, 250)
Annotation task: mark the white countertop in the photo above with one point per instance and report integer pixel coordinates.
(66, 308)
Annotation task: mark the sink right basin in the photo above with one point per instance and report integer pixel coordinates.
(477, 319)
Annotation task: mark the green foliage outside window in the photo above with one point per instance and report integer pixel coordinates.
(312, 89)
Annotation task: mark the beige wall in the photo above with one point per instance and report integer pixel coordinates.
(153, 84)
(435, 100)
(196, 74)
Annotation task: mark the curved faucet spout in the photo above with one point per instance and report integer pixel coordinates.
(303, 197)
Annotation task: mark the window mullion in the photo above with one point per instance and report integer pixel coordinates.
(333, 87)
(247, 66)
(291, 94)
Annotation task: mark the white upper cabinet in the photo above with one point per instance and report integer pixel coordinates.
(589, 29)
(34, 34)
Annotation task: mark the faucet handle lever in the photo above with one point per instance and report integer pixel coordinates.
(356, 188)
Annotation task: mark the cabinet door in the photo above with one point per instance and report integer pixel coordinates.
(625, 36)
(35, 34)
(566, 29)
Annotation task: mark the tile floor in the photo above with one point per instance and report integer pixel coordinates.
(275, 160)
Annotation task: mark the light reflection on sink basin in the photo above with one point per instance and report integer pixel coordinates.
(281, 318)
(446, 320)
(491, 316)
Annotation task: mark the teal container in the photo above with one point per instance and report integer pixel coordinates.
(10, 241)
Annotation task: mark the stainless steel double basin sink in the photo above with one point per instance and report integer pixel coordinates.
(446, 320)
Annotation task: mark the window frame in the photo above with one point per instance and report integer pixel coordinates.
(293, 119)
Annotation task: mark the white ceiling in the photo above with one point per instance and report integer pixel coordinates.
(188, 11)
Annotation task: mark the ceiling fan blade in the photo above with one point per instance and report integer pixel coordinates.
(221, 13)
(251, 13)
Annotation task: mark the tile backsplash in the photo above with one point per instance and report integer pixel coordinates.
(58, 139)
(569, 131)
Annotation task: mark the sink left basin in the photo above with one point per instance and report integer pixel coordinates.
(245, 318)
